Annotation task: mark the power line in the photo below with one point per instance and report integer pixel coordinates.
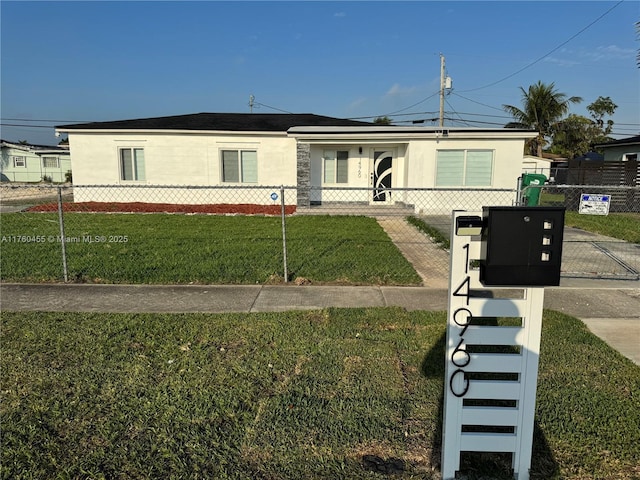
(516, 72)
(394, 115)
(254, 103)
(548, 53)
(452, 119)
(454, 110)
(479, 103)
(425, 113)
(410, 106)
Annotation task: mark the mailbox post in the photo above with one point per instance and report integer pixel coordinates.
(493, 341)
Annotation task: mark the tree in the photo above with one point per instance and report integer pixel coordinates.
(571, 136)
(382, 120)
(576, 135)
(542, 107)
(598, 109)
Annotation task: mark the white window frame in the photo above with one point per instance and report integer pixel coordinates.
(466, 180)
(19, 159)
(56, 159)
(138, 166)
(331, 175)
(246, 174)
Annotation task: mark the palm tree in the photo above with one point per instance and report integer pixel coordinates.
(543, 107)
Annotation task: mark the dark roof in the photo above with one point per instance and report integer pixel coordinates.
(623, 141)
(251, 122)
(33, 146)
(591, 156)
(553, 156)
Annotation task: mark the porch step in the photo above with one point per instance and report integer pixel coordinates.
(347, 208)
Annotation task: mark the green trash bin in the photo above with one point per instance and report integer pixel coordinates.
(531, 196)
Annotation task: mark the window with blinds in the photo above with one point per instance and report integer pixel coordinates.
(239, 166)
(464, 168)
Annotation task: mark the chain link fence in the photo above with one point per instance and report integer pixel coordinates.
(239, 235)
(621, 199)
(587, 253)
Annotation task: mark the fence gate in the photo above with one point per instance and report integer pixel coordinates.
(492, 353)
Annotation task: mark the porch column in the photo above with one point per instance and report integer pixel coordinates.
(303, 152)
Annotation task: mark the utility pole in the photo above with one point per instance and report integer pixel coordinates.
(441, 117)
(251, 99)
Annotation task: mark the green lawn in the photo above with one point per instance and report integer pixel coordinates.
(297, 395)
(624, 226)
(158, 248)
(432, 232)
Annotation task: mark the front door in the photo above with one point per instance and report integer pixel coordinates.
(381, 176)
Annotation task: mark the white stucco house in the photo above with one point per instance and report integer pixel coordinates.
(29, 163)
(533, 164)
(621, 150)
(327, 159)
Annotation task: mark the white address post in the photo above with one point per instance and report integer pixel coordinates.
(489, 398)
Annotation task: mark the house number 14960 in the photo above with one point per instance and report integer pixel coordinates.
(462, 317)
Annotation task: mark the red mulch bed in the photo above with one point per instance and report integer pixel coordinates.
(139, 207)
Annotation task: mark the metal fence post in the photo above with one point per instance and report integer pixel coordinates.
(284, 234)
(62, 237)
(519, 192)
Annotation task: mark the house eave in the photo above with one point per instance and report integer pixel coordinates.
(51, 152)
(35, 149)
(615, 145)
(387, 133)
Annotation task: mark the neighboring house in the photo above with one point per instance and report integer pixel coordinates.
(533, 164)
(34, 163)
(617, 166)
(552, 166)
(622, 150)
(302, 150)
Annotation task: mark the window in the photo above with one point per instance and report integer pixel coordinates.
(336, 165)
(19, 161)
(240, 166)
(469, 168)
(50, 162)
(132, 164)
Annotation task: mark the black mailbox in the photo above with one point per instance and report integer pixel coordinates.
(521, 246)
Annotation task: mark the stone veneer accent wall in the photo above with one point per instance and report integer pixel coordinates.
(303, 152)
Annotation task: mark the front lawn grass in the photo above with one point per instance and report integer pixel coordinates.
(296, 395)
(624, 226)
(433, 233)
(175, 249)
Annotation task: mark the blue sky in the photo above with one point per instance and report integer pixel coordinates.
(64, 62)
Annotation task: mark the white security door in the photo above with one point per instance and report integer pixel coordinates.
(381, 176)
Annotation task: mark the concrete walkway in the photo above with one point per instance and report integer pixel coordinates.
(428, 260)
(611, 309)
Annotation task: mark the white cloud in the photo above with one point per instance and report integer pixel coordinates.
(356, 104)
(340, 14)
(397, 90)
(562, 62)
(611, 52)
(569, 58)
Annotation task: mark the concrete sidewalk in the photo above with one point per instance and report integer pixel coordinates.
(610, 309)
